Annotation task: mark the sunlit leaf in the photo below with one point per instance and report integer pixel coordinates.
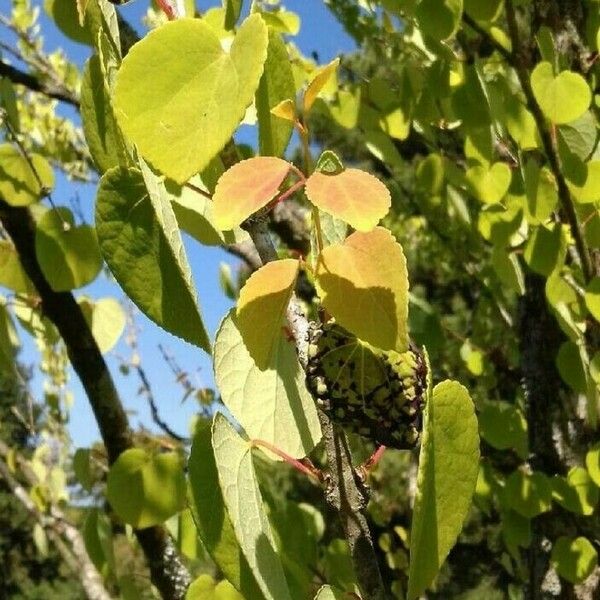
(574, 558)
(354, 196)
(363, 283)
(106, 320)
(503, 426)
(19, 185)
(489, 185)
(242, 496)
(68, 254)
(206, 588)
(146, 489)
(448, 469)
(179, 96)
(262, 306)
(576, 492)
(562, 98)
(530, 494)
(12, 274)
(318, 82)
(272, 403)
(246, 187)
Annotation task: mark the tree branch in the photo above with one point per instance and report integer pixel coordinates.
(36, 84)
(519, 63)
(168, 573)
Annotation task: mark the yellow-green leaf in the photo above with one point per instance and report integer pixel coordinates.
(574, 558)
(318, 82)
(563, 98)
(18, 184)
(179, 96)
(489, 185)
(206, 588)
(272, 403)
(106, 320)
(12, 274)
(262, 306)
(146, 489)
(448, 469)
(354, 196)
(69, 255)
(246, 187)
(575, 492)
(244, 502)
(363, 283)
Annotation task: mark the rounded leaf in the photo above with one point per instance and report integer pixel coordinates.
(530, 494)
(68, 255)
(179, 96)
(489, 185)
(18, 184)
(563, 98)
(146, 489)
(354, 196)
(574, 558)
(247, 187)
(363, 283)
(592, 462)
(592, 298)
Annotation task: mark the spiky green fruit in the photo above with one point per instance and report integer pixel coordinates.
(379, 395)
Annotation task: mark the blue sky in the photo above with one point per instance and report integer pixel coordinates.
(319, 32)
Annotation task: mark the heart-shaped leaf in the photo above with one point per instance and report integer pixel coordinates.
(574, 558)
(179, 96)
(563, 98)
(367, 295)
(489, 185)
(146, 489)
(353, 195)
(246, 187)
(448, 469)
(272, 403)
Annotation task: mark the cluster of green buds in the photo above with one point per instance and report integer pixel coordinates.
(379, 395)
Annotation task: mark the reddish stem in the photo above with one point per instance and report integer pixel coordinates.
(309, 470)
(168, 9)
(198, 190)
(373, 460)
(289, 192)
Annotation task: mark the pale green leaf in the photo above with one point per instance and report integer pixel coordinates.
(82, 468)
(546, 249)
(12, 274)
(592, 297)
(574, 558)
(68, 254)
(211, 517)
(571, 360)
(146, 489)
(106, 319)
(242, 496)
(142, 246)
(563, 98)
(326, 592)
(576, 492)
(448, 469)
(530, 494)
(271, 404)
(206, 588)
(592, 462)
(502, 425)
(276, 86)
(19, 185)
(179, 96)
(489, 185)
(7, 348)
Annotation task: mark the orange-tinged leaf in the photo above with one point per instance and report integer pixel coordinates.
(353, 196)
(262, 306)
(318, 83)
(245, 188)
(286, 109)
(363, 283)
